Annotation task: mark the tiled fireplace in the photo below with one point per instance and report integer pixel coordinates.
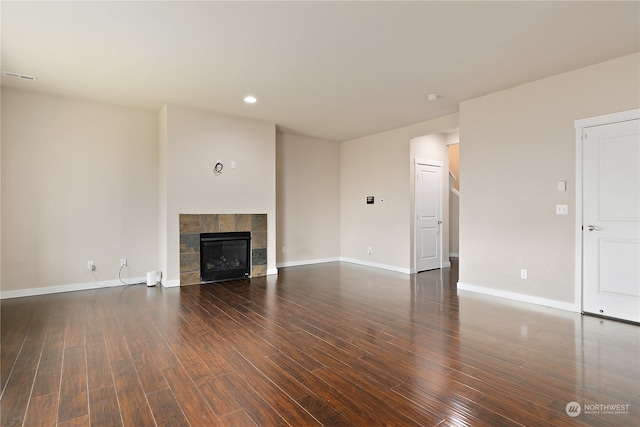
(192, 225)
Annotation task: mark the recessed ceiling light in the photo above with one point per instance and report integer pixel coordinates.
(250, 99)
(432, 97)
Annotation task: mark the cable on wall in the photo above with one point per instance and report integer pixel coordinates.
(125, 283)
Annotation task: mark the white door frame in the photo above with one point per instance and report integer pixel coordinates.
(580, 125)
(416, 162)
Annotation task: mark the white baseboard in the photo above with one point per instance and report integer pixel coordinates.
(356, 261)
(69, 288)
(176, 282)
(376, 265)
(307, 262)
(520, 297)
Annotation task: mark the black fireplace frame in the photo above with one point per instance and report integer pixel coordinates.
(227, 274)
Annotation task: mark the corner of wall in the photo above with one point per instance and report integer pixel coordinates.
(162, 189)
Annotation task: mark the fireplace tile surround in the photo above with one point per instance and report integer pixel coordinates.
(191, 225)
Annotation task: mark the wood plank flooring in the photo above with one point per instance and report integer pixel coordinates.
(332, 344)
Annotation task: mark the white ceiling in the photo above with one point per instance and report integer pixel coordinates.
(333, 70)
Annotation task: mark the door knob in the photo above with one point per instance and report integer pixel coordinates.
(593, 228)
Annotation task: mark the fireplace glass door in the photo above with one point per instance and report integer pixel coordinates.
(224, 256)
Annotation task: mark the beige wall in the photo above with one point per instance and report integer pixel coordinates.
(87, 181)
(516, 145)
(79, 183)
(195, 140)
(308, 199)
(380, 165)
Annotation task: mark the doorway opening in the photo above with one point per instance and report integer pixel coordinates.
(433, 150)
(428, 207)
(608, 216)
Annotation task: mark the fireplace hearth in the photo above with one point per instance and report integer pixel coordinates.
(225, 256)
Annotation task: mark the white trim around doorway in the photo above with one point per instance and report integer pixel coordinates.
(579, 126)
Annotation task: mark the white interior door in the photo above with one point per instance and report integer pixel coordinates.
(611, 220)
(428, 205)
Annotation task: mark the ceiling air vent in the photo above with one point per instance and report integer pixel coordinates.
(19, 76)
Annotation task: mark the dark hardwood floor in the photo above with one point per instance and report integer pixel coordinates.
(328, 344)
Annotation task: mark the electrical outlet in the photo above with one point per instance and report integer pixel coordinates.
(123, 262)
(523, 274)
(369, 251)
(91, 266)
(284, 249)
